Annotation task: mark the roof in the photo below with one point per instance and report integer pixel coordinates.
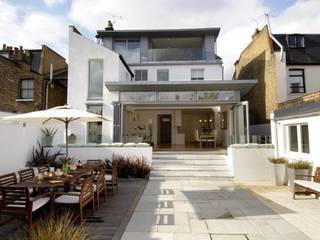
(243, 86)
(191, 32)
(309, 55)
(304, 105)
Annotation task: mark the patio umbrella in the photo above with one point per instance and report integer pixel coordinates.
(62, 114)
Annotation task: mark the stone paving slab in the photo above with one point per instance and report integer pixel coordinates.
(209, 210)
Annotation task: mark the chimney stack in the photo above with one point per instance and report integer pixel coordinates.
(109, 26)
(4, 46)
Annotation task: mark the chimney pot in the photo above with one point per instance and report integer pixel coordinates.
(21, 48)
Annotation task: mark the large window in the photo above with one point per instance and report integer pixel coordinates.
(296, 81)
(94, 129)
(128, 48)
(141, 75)
(26, 89)
(299, 138)
(296, 41)
(163, 75)
(95, 79)
(197, 74)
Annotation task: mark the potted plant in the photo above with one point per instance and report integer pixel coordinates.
(279, 166)
(65, 161)
(48, 134)
(298, 168)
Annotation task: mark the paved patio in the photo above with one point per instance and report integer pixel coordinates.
(212, 210)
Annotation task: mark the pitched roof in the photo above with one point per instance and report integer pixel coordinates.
(309, 55)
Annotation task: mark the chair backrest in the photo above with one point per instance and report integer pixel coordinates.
(26, 174)
(87, 193)
(196, 135)
(15, 199)
(317, 175)
(43, 169)
(101, 181)
(95, 162)
(8, 179)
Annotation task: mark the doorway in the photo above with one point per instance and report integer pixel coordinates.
(164, 129)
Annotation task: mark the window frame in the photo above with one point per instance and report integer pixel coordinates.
(292, 76)
(88, 93)
(295, 37)
(163, 70)
(21, 89)
(300, 150)
(140, 80)
(90, 123)
(197, 78)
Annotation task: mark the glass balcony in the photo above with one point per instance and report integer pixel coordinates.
(175, 54)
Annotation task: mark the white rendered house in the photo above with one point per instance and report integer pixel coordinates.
(164, 87)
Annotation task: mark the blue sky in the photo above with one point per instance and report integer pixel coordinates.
(32, 23)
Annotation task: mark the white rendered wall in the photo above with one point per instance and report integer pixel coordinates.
(183, 72)
(16, 143)
(250, 162)
(281, 141)
(83, 153)
(81, 50)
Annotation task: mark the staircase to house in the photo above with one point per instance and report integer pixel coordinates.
(190, 165)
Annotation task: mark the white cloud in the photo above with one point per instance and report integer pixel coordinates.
(32, 28)
(50, 3)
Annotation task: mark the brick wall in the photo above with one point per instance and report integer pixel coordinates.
(10, 75)
(257, 61)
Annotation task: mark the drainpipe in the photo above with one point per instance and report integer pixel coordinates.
(48, 85)
(273, 38)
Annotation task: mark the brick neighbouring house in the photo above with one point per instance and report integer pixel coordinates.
(24, 75)
(286, 66)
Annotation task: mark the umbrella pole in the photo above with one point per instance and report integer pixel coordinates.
(67, 124)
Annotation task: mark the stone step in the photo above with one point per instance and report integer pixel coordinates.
(189, 162)
(184, 167)
(190, 173)
(156, 178)
(189, 157)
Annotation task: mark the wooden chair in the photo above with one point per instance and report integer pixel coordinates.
(82, 198)
(99, 187)
(197, 138)
(43, 169)
(111, 178)
(8, 179)
(26, 174)
(17, 201)
(312, 186)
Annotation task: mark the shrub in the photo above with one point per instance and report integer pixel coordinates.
(41, 157)
(62, 227)
(279, 160)
(300, 164)
(129, 167)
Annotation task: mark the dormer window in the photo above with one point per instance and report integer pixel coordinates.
(296, 41)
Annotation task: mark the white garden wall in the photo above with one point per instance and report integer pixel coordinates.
(85, 152)
(16, 143)
(249, 162)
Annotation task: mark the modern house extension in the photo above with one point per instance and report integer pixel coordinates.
(164, 87)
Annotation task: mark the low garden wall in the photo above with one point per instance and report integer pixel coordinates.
(249, 162)
(100, 151)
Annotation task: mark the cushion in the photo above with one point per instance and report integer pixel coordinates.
(39, 203)
(142, 145)
(130, 144)
(67, 199)
(108, 177)
(116, 144)
(308, 184)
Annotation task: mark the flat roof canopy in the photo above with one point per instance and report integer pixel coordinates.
(243, 86)
(191, 32)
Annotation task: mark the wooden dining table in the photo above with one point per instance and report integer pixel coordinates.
(66, 180)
